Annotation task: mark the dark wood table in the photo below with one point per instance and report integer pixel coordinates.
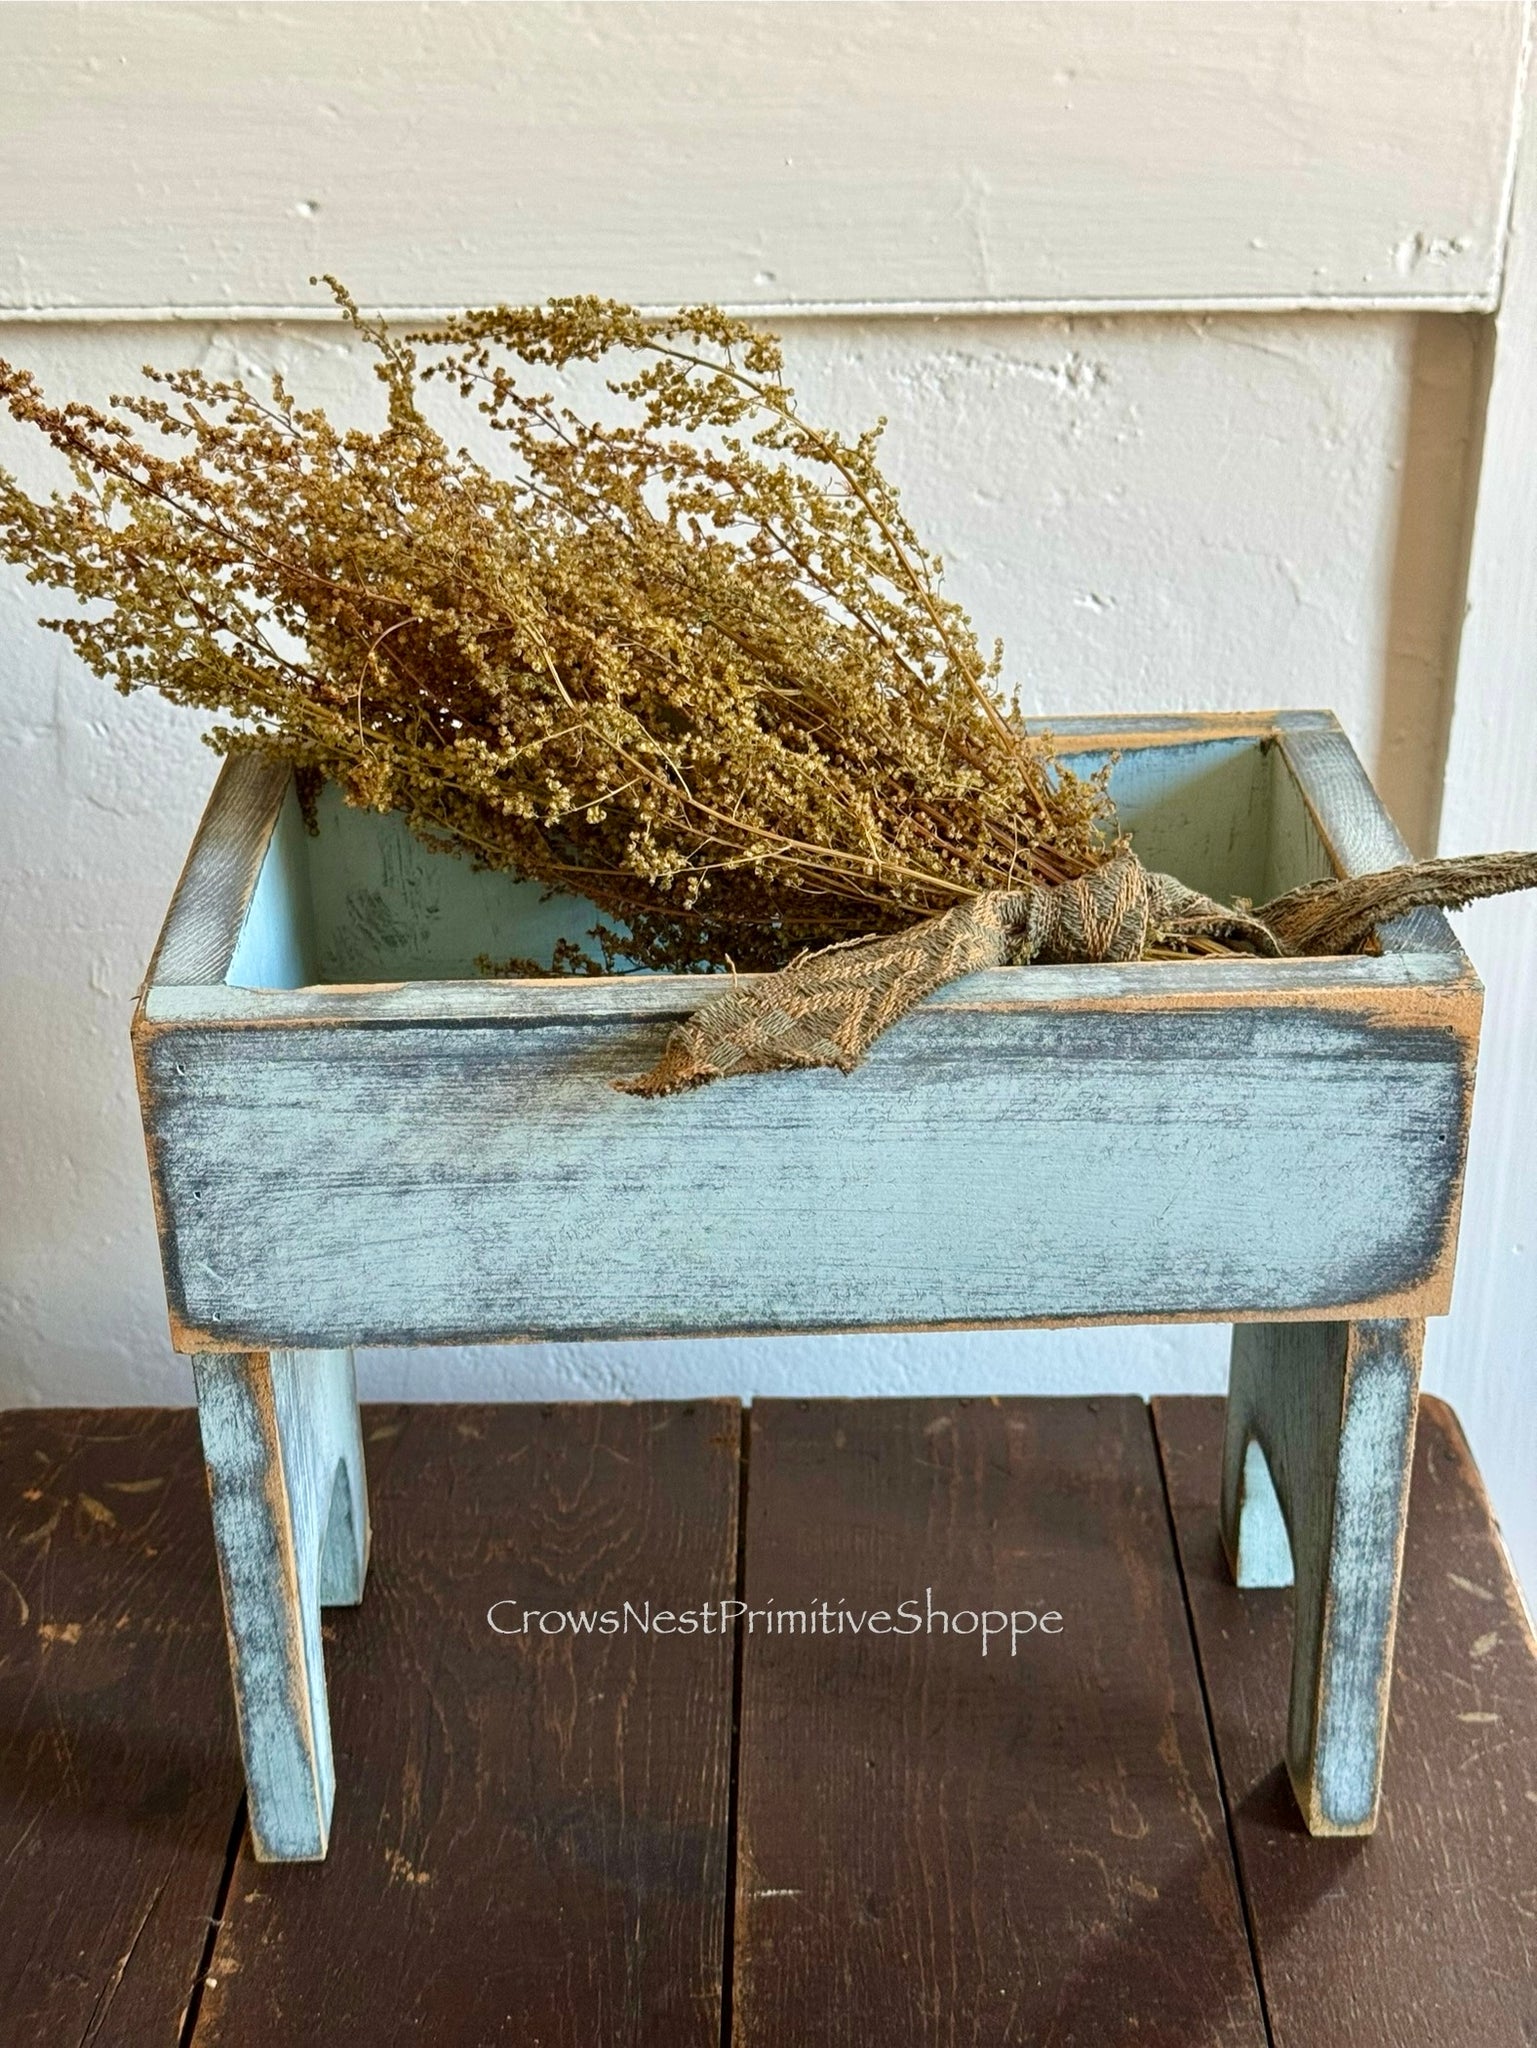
(800, 1836)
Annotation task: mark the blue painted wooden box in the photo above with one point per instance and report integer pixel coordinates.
(356, 1137)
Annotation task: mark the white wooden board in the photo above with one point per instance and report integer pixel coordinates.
(164, 159)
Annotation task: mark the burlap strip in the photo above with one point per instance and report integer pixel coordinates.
(827, 1009)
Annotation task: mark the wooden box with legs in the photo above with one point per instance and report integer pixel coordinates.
(358, 1137)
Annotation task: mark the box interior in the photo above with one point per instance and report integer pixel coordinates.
(365, 901)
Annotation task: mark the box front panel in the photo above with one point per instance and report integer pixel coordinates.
(329, 1184)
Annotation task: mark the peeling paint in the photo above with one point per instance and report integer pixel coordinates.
(1423, 248)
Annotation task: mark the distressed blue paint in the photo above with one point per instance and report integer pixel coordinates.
(1360, 836)
(389, 908)
(223, 868)
(664, 998)
(335, 1185)
(1375, 1450)
(1203, 811)
(1155, 728)
(285, 1474)
(1294, 847)
(1332, 1406)
(276, 946)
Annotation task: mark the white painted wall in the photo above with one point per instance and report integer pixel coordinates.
(1182, 510)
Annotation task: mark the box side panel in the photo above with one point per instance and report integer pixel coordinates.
(1199, 811)
(276, 944)
(1360, 837)
(325, 1185)
(1295, 852)
(388, 907)
(208, 910)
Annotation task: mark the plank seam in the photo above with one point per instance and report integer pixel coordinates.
(1211, 1730)
(188, 2034)
(738, 1657)
(1046, 305)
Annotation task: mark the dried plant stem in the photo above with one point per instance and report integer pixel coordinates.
(688, 660)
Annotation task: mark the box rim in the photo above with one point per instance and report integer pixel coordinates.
(185, 982)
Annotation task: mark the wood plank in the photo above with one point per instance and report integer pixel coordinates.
(1360, 837)
(119, 1783)
(530, 1838)
(274, 922)
(221, 873)
(290, 1523)
(937, 1846)
(326, 1187)
(664, 998)
(879, 157)
(1424, 1935)
(1167, 728)
(1320, 1441)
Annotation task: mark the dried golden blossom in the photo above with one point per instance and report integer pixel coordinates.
(691, 662)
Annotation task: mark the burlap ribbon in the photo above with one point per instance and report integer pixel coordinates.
(827, 1009)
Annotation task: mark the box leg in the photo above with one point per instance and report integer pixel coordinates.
(290, 1514)
(1315, 1487)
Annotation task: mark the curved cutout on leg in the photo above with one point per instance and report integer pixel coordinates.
(1262, 1552)
(344, 1554)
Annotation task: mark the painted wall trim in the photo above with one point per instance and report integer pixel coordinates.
(931, 157)
(1481, 1359)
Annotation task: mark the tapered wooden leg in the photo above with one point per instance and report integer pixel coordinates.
(290, 1516)
(1315, 1487)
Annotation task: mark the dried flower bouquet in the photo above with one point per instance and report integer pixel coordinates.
(690, 662)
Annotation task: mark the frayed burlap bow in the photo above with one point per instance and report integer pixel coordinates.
(827, 1009)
